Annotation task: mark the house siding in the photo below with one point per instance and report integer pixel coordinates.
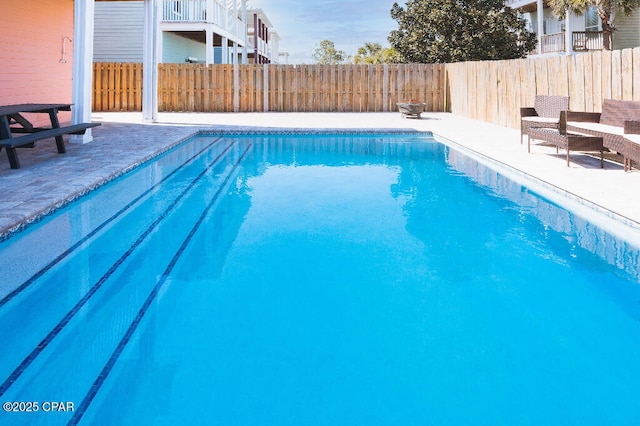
(118, 31)
(176, 49)
(627, 34)
(32, 32)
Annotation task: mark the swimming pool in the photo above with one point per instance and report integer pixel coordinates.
(291, 279)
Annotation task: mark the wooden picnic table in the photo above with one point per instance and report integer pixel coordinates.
(13, 121)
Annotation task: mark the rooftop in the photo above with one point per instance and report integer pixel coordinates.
(48, 180)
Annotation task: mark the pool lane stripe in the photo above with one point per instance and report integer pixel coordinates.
(69, 316)
(71, 249)
(97, 384)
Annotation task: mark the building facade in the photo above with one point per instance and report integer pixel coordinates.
(577, 32)
(46, 56)
(262, 39)
(196, 31)
(37, 58)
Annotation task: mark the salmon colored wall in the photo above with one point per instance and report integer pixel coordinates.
(31, 33)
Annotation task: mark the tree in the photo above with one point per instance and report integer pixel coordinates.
(459, 30)
(327, 54)
(604, 7)
(374, 53)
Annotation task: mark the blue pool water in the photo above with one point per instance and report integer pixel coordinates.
(346, 279)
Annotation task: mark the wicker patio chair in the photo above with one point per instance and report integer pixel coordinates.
(631, 148)
(545, 113)
(608, 124)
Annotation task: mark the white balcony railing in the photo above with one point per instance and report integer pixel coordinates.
(582, 40)
(552, 43)
(205, 11)
(518, 3)
(184, 10)
(587, 40)
(264, 48)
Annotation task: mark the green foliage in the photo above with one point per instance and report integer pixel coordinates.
(604, 7)
(441, 31)
(327, 54)
(374, 53)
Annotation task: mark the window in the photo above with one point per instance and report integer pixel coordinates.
(552, 26)
(592, 20)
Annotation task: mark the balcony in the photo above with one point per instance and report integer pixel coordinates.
(263, 47)
(550, 43)
(185, 10)
(587, 40)
(582, 41)
(215, 12)
(517, 4)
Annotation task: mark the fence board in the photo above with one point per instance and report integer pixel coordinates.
(478, 81)
(559, 73)
(529, 81)
(576, 83)
(229, 83)
(636, 74)
(596, 81)
(542, 85)
(588, 82)
(111, 95)
(511, 92)
(616, 69)
(98, 88)
(606, 76)
(626, 74)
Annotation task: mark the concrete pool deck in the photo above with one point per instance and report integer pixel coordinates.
(48, 180)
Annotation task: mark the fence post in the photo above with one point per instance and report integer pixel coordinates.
(385, 88)
(265, 88)
(236, 88)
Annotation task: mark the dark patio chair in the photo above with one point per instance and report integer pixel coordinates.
(631, 148)
(544, 114)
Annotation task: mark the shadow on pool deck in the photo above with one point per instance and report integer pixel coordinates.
(48, 180)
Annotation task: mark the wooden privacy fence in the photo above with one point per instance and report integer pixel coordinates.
(494, 91)
(117, 86)
(491, 91)
(290, 88)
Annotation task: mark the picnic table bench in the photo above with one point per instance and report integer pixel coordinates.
(12, 121)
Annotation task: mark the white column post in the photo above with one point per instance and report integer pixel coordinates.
(225, 50)
(150, 62)
(211, 17)
(209, 45)
(568, 33)
(209, 56)
(235, 21)
(540, 9)
(82, 85)
(245, 57)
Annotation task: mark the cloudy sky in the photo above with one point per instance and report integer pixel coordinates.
(303, 24)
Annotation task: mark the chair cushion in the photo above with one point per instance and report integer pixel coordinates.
(537, 119)
(597, 127)
(633, 138)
